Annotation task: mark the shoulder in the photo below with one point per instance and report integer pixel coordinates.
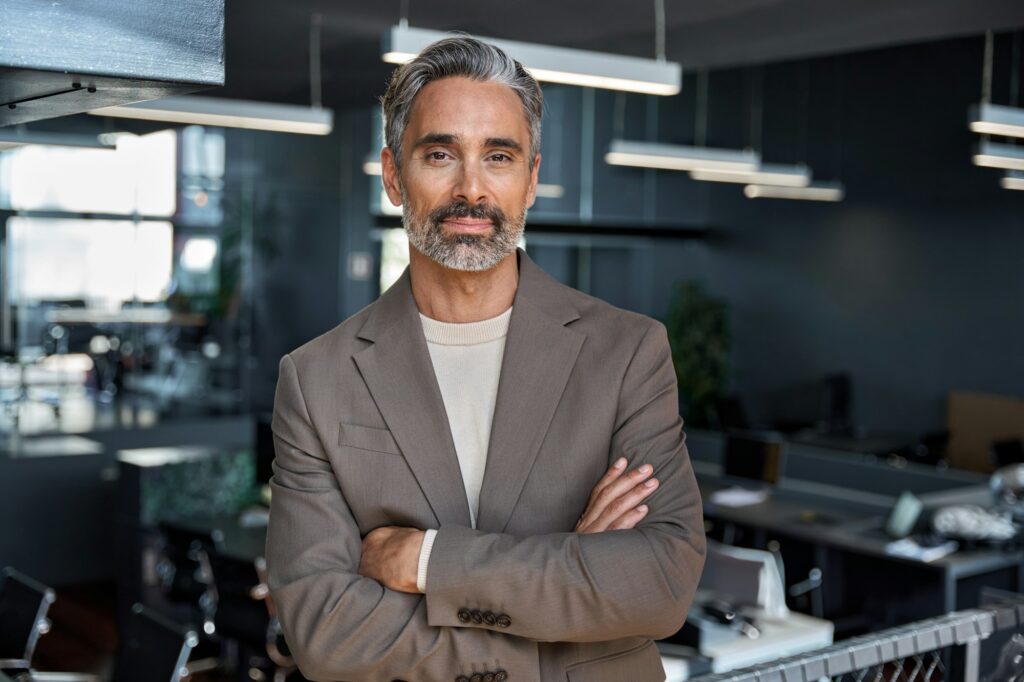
(602, 319)
(339, 342)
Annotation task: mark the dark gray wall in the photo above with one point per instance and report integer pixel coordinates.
(915, 283)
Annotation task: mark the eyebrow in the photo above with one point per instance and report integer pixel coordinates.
(506, 142)
(449, 138)
(436, 138)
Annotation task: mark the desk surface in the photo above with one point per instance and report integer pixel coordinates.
(823, 521)
(795, 634)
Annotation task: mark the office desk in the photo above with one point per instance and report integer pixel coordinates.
(842, 528)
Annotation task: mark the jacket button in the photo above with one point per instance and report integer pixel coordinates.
(489, 677)
(490, 619)
(464, 615)
(500, 676)
(477, 617)
(477, 677)
(503, 621)
(461, 678)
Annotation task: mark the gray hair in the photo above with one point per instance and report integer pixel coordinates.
(463, 56)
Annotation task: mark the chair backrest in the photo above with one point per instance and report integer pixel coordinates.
(23, 606)
(154, 649)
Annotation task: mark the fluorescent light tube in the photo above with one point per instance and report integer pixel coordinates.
(996, 155)
(11, 139)
(548, 191)
(818, 191)
(993, 119)
(766, 174)
(555, 64)
(372, 165)
(679, 157)
(228, 113)
(1012, 180)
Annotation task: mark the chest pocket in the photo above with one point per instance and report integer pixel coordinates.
(367, 438)
(377, 483)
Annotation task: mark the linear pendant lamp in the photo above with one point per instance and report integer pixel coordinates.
(679, 157)
(555, 64)
(996, 155)
(817, 191)
(1012, 180)
(993, 119)
(228, 113)
(9, 139)
(766, 174)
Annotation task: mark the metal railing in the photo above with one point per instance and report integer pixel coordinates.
(923, 651)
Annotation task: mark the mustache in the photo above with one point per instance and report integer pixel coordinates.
(461, 209)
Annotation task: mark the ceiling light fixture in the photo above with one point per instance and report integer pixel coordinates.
(553, 64)
(993, 119)
(372, 165)
(1012, 180)
(765, 174)
(679, 157)
(9, 139)
(996, 155)
(234, 113)
(818, 191)
(228, 113)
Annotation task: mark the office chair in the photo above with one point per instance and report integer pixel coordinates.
(246, 615)
(184, 570)
(23, 606)
(154, 649)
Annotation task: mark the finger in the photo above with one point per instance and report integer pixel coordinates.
(621, 486)
(599, 502)
(629, 520)
(614, 471)
(625, 503)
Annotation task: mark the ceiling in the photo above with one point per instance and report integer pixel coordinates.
(267, 55)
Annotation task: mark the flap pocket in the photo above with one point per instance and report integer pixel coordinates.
(368, 438)
(642, 663)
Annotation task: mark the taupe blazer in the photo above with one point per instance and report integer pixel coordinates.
(362, 440)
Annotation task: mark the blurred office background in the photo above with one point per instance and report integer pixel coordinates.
(153, 272)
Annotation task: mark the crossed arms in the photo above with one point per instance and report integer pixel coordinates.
(580, 586)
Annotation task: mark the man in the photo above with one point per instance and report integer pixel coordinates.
(481, 476)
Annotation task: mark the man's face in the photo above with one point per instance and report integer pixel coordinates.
(466, 179)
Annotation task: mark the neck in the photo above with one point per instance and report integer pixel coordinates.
(450, 295)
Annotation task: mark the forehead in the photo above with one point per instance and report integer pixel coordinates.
(469, 108)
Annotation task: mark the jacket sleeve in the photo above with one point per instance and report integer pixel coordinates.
(340, 625)
(573, 587)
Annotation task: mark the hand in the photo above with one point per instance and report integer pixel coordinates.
(615, 501)
(391, 556)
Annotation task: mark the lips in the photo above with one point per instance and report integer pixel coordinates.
(468, 224)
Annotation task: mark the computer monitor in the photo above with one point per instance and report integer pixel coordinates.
(754, 457)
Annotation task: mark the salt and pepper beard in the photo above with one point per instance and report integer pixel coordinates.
(468, 252)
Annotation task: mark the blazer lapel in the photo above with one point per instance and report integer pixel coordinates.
(540, 352)
(399, 374)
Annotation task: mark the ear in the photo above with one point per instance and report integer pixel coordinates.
(534, 174)
(389, 175)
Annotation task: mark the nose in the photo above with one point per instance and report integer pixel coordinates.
(470, 186)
